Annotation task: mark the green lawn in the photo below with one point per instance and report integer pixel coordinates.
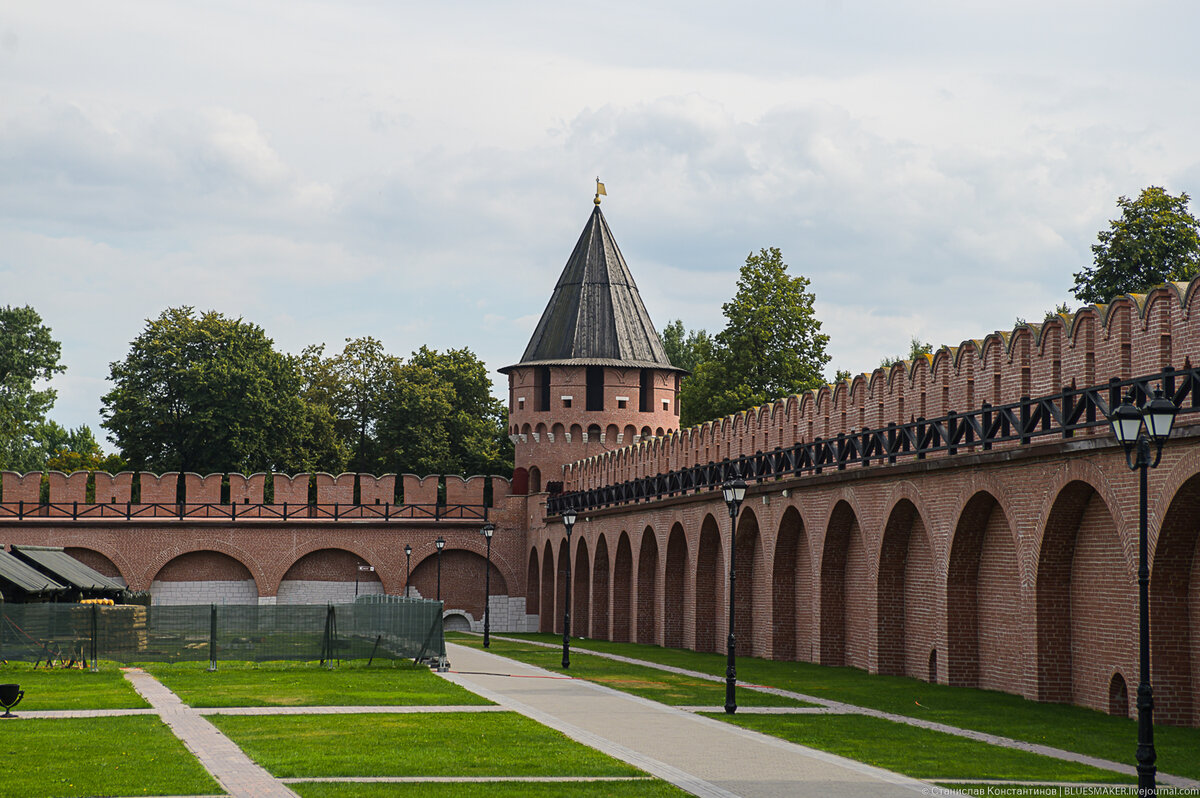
(493, 789)
(1062, 726)
(443, 744)
(920, 753)
(308, 684)
(133, 755)
(69, 688)
(658, 685)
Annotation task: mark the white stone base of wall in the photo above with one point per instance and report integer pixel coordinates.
(266, 601)
(310, 591)
(211, 592)
(508, 615)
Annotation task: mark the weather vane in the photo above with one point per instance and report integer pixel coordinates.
(599, 190)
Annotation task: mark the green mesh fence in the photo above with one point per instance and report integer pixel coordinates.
(392, 629)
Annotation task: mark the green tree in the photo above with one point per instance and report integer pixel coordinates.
(916, 348)
(772, 345)
(1061, 309)
(28, 356)
(69, 450)
(207, 393)
(686, 349)
(1156, 240)
(350, 387)
(438, 416)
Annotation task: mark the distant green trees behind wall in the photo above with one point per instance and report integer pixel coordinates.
(772, 344)
(206, 393)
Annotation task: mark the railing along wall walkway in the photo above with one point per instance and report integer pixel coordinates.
(1061, 415)
(1134, 334)
(83, 496)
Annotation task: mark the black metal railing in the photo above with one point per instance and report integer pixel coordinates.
(1060, 415)
(129, 511)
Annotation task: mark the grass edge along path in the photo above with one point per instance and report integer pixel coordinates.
(54, 689)
(128, 755)
(1002, 741)
(658, 684)
(240, 684)
(929, 756)
(448, 744)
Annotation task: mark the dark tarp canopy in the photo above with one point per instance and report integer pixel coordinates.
(56, 563)
(22, 579)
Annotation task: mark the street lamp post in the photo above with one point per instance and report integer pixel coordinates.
(568, 519)
(441, 544)
(733, 491)
(488, 530)
(1137, 429)
(407, 563)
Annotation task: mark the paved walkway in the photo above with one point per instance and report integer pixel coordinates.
(826, 706)
(237, 773)
(701, 755)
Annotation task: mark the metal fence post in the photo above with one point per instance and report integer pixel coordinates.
(212, 637)
(95, 626)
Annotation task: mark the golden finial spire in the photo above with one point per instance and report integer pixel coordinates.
(599, 190)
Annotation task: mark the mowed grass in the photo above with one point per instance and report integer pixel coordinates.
(289, 684)
(71, 688)
(658, 685)
(1063, 726)
(493, 789)
(442, 744)
(65, 758)
(920, 753)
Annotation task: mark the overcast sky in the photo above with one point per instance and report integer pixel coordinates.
(420, 172)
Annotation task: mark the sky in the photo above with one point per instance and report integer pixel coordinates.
(419, 172)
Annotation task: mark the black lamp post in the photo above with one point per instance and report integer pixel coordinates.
(441, 544)
(734, 491)
(488, 530)
(568, 519)
(1128, 422)
(407, 563)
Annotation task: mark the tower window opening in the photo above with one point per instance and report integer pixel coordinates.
(646, 398)
(541, 388)
(595, 387)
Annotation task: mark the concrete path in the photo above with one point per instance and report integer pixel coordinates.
(826, 706)
(701, 755)
(237, 773)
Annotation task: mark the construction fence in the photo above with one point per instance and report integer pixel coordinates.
(81, 634)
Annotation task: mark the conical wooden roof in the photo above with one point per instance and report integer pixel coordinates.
(595, 316)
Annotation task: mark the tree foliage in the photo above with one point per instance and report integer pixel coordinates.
(438, 416)
(69, 450)
(1156, 240)
(772, 345)
(432, 414)
(208, 393)
(686, 349)
(916, 348)
(28, 356)
(350, 386)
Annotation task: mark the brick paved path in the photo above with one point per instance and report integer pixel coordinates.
(237, 773)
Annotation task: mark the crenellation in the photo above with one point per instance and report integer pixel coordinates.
(66, 489)
(1154, 331)
(291, 490)
(420, 490)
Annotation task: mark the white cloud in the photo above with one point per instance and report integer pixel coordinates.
(420, 173)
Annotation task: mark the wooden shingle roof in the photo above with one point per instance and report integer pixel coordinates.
(595, 316)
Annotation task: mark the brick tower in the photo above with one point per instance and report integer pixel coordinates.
(594, 376)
